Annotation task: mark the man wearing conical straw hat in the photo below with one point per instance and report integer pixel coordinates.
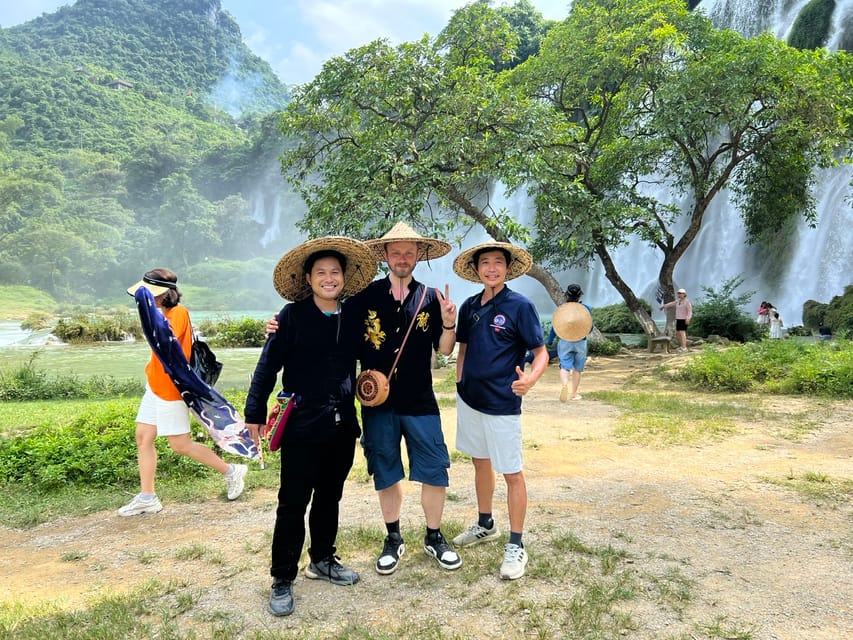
(496, 328)
(388, 307)
(315, 349)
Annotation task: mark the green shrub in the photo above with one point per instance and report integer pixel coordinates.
(37, 320)
(110, 327)
(234, 333)
(605, 348)
(28, 382)
(97, 448)
(720, 313)
(775, 366)
(617, 318)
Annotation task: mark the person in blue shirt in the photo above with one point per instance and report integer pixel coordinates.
(494, 330)
(572, 353)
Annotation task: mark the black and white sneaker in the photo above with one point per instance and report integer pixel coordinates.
(392, 550)
(437, 547)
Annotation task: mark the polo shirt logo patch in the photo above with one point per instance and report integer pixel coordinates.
(498, 322)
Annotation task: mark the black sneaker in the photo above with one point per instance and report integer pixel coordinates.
(392, 550)
(281, 598)
(332, 570)
(437, 547)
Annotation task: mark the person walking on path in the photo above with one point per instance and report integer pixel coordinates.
(683, 315)
(572, 353)
(315, 348)
(163, 412)
(495, 329)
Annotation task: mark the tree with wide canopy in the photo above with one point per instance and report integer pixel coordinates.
(623, 96)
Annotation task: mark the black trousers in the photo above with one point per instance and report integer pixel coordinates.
(315, 473)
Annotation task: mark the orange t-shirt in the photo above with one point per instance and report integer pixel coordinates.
(159, 381)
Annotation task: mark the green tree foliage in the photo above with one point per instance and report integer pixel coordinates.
(617, 318)
(193, 49)
(837, 314)
(386, 132)
(660, 106)
(97, 183)
(811, 28)
(646, 103)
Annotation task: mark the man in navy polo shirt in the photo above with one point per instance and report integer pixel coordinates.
(495, 329)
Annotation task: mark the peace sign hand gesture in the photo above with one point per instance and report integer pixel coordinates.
(448, 308)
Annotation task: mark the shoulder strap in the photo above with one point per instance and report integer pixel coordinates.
(408, 331)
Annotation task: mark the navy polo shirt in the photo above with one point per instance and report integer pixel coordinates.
(497, 335)
(384, 322)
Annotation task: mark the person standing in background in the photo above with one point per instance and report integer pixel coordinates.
(683, 315)
(776, 324)
(572, 353)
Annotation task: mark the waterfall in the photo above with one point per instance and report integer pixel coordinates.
(817, 266)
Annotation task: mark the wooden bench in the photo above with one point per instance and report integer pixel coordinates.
(659, 341)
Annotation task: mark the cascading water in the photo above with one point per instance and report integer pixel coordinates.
(817, 266)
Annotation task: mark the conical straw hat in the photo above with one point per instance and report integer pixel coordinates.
(428, 248)
(519, 262)
(572, 321)
(289, 274)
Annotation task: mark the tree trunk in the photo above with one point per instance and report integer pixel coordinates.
(631, 300)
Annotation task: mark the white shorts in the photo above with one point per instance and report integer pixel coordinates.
(171, 417)
(497, 438)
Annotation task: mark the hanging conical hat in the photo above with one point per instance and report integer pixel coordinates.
(572, 321)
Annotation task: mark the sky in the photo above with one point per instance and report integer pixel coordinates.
(296, 36)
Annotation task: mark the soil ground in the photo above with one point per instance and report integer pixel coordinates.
(755, 558)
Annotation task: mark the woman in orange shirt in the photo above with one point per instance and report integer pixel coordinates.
(163, 412)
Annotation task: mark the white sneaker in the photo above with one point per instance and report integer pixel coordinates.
(476, 534)
(515, 559)
(235, 481)
(138, 506)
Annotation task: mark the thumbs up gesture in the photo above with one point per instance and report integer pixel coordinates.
(523, 384)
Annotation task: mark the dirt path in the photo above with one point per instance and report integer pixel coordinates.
(751, 556)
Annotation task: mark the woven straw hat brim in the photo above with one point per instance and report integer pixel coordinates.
(289, 274)
(572, 321)
(428, 248)
(519, 264)
(155, 290)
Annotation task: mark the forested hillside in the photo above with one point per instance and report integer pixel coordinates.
(137, 133)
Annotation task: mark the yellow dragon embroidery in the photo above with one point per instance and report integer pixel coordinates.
(373, 333)
(423, 321)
